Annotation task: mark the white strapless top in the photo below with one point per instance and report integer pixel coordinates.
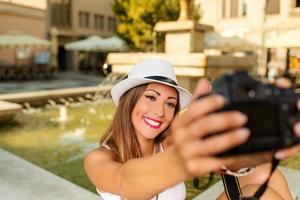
(177, 192)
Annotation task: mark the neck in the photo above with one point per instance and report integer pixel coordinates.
(147, 147)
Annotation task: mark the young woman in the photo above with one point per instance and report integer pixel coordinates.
(142, 156)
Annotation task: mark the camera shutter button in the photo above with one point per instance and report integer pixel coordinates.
(285, 107)
(251, 93)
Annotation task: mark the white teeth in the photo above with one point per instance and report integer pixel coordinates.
(153, 123)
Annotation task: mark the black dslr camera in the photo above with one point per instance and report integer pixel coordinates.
(271, 111)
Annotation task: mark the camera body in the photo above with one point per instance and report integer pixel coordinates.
(271, 111)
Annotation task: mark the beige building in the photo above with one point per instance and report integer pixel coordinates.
(20, 18)
(76, 20)
(252, 19)
(26, 19)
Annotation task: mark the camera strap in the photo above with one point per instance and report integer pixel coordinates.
(264, 186)
(232, 187)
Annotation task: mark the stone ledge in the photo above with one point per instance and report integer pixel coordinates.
(8, 110)
(21, 179)
(175, 26)
(38, 98)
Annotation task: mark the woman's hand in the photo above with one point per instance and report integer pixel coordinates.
(198, 151)
(192, 132)
(288, 152)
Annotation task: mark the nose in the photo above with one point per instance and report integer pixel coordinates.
(159, 109)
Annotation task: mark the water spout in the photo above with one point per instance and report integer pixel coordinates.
(52, 103)
(71, 100)
(89, 96)
(27, 106)
(63, 114)
(80, 99)
(64, 101)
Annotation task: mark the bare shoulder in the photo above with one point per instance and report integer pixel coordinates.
(101, 168)
(100, 154)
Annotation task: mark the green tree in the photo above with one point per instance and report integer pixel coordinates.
(137, 18)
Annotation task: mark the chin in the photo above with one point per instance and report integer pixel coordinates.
(150, 136)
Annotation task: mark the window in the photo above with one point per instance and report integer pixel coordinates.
(273, 7)
(224, 8)
(111, 24)
(244, 9)
(60, 14)
(84, 19)
(98, 22)
(234, 8)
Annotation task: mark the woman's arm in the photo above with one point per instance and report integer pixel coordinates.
(140, 178)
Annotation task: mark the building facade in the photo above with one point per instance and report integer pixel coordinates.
(74, 20)
(254, 20)
(248, 18)
(25, 19)
(19, 18)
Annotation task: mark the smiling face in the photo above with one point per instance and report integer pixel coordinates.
(154, 111)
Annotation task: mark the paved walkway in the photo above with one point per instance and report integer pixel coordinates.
(292, 176)
(22, 180)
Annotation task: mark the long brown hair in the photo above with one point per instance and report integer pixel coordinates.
(120, 137)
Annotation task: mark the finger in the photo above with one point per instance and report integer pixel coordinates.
(247, 160)
(203, 165)
(203, 87)
(297, 129)
(288, 152)
(215, 123)
(283, 83)
(201, 107)
(215, 144)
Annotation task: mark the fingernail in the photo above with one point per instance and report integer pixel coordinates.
(221, 99)
(297, 129)
(244, 133)
(242, 118)
(283, 83)
(279, 155)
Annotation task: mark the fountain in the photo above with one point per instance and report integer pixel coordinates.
(58, 135)
(184, 48)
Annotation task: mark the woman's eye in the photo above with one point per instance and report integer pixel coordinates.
(171, 105)
(152, 98)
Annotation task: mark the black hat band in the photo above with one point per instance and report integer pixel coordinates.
(162, 79)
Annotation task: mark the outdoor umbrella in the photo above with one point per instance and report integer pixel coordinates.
(19, 40)
(111, 44)
(214, 40)
(88, 44)
(19, 43)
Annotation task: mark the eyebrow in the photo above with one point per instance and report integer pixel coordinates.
(160, 94)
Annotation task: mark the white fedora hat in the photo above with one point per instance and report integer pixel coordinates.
(148, 71)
